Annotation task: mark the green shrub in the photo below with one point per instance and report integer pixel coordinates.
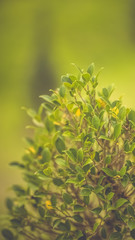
(79, 167)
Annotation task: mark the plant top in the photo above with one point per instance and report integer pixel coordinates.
(79, 167)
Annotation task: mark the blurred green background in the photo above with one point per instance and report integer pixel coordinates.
(39, 39)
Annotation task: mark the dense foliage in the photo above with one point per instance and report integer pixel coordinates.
(79, 167)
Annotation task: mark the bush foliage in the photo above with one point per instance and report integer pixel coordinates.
(78, 167)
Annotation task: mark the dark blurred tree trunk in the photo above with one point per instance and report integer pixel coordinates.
(43, 75)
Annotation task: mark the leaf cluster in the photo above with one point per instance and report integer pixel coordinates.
(78, 167)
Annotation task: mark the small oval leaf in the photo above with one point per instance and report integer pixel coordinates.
(60, 145)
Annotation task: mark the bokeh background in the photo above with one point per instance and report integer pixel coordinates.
(39, 39)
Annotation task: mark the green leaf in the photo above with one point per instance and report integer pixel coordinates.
(41, 211)
(108, 159)
(125, 180)
(62, 227)
(120, 202)
(67, 198)
(110, 89)
(16, 222)
(60, 237)
(33, 179)
(47, 171)
(49, 124)
(122, 113)
(97, 210)
(106, 101)
(94, 81)
(97, 158)
(100, 179)
(31, 112)
(7, 234)
(101, 196)
(95, 226)
(103, 233)
(72, 77)
(96, 122)
(41, 176)
(47, 99)
(72, 180)
(131, 224)
(109, 172)
(78, 218)
(80, 155)
(93, 171)
(87, 167)
(132, 147)
(86, 76)
(71, 153)
(132, 233)
(19, 190)
(86, 200)
(131, 211)
(117, 214)
(56, 223)
(98, 189)
(9, 203)
(53, 200)
(21, 211)
(90, 108)
(116, 235)
(69, 86)
(67, 224)
(79, 169)
(46, 155)
(128, 164)
(91, 68)
(117, 130)
(110, 196)
(131, 116)
(60, 145)
(126, 146)
(61, 162)
(16, 164)
(57, 181)
(62, 91)
(105, 92)
(104, 137)
(66, 79)
(117, 228)
(122, 171)
(87, 162)
(78, 208)
(85, 192)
